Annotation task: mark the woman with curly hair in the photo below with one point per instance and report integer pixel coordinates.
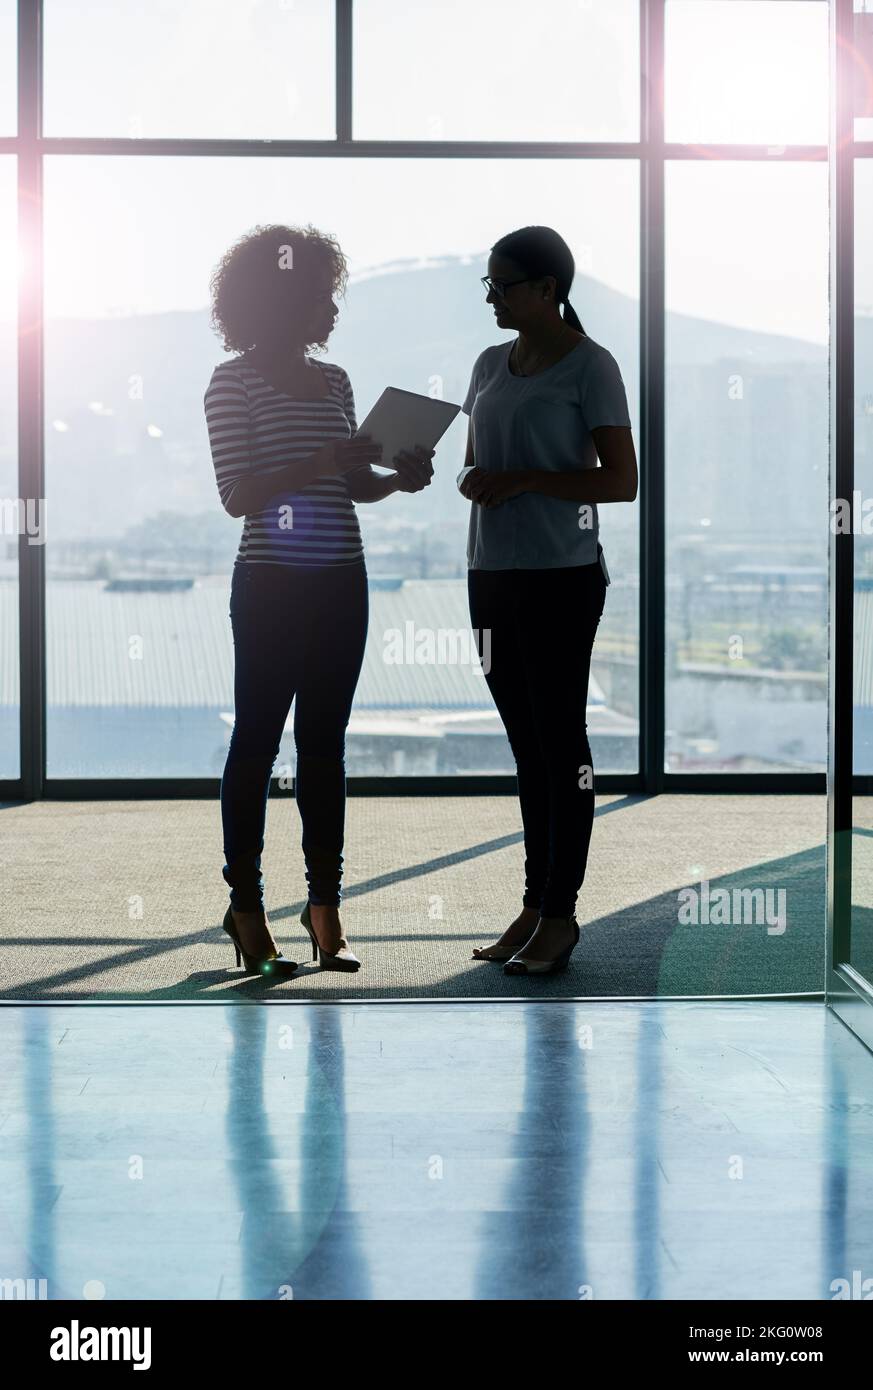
(280, 430)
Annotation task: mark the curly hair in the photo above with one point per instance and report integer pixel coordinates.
(251, 289)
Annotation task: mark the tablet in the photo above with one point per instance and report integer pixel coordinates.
(401, 419)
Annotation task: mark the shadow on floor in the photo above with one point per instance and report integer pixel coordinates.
(643, 950)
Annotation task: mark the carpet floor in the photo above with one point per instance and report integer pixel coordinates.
(123, 900)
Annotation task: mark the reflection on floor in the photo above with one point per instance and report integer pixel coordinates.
(124, 900)
(431, 1151)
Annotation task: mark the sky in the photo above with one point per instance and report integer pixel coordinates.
(746, 242)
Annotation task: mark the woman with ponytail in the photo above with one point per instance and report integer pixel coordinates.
(543, 409)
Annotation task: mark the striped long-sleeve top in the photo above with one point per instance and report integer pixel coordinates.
(253, 429)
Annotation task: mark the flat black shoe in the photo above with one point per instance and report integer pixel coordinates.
(276, 967)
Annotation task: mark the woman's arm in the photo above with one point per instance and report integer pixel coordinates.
(413, 472)
(249, 494)
(366, 486)
(243, 491)
(616, 480)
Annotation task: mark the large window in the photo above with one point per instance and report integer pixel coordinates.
(140, 656)
(746, 72)
(419, 134)
(746, 464)
(7, 67)
(209, 69)
(496, 70)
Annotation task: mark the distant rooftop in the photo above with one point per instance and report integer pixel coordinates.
(187, 648)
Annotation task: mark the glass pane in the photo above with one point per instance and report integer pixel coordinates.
(140, 681)
(13, 516)
(747, 466)
(862, 72)
(207, 69)
(746, 71)
(861, 937)
(448, 70)
(861, 949)
(8, 67)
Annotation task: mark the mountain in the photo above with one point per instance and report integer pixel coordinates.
(126, 438)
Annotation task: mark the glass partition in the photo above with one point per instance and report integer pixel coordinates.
(12, 515)
(861, 937)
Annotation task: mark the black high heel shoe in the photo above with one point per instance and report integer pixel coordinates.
(276, 967)
(344, 958)
(522, 965)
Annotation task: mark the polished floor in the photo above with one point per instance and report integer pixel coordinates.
(551, 1150)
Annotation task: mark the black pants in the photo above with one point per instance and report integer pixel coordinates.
(297, 632)
(540, 626)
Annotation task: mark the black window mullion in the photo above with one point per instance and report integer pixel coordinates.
(652, 480)
(343, 22)
(31, 452)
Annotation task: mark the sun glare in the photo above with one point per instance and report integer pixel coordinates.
(742, 72)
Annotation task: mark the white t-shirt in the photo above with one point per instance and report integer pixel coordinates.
(542, 421)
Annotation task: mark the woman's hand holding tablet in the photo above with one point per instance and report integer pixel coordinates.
(403, 421)
(414, 469)
(344, 455)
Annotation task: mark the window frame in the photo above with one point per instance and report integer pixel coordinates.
(651, 153)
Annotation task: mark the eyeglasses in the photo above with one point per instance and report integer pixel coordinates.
(500, 287)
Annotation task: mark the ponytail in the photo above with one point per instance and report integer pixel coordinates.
(571, 317)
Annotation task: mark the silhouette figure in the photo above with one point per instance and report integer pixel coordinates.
(280, 430)
(542, 409)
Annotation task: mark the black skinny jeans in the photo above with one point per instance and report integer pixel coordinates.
(541, 626)
(297, 632)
